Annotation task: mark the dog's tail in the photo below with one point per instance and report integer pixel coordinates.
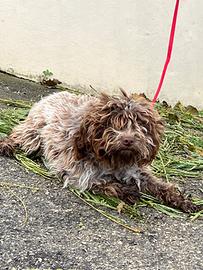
(7, 147)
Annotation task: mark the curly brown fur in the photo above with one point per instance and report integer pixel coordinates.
(99, 143)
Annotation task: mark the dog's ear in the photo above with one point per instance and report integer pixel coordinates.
(80, 142)
(154, 125)
(156, 129)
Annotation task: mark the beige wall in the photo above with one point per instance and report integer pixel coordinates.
(106, 43)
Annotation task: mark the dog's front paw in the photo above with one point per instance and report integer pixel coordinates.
(127, 193)
(130, 194)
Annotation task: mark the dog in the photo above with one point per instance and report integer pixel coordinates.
(103, 144)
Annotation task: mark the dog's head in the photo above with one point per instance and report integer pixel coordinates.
(119, 131)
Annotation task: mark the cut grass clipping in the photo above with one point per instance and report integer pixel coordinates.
(180, 155)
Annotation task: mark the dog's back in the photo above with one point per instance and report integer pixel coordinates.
(49, 110)
(58, 104)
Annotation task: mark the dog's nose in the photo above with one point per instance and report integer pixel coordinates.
(128, 141)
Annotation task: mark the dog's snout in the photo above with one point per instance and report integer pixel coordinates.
(128, 141)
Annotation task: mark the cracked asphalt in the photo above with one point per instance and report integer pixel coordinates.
(62, 232)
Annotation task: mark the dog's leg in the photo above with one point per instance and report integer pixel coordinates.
(165, 192)
(7, 147)
(129, 192)
(125, 192)
(23, 136)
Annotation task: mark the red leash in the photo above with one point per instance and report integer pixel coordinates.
(170, 46)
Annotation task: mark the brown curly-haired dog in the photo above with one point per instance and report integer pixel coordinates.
(99, 143)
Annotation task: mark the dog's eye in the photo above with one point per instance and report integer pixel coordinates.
(144, 130)
(102, 152)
